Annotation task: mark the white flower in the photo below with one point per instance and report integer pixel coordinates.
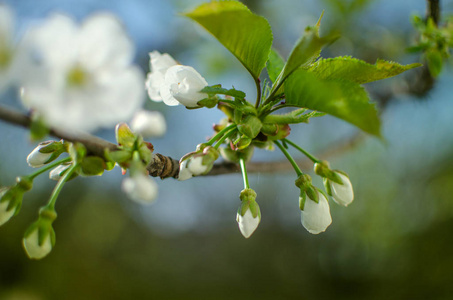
(184, 172)
(12, 60)
(158, 64)
(316, 216)
(343, 194)
(149, 123)
(247, 223)
(140, 188)
(82, 78)
(58, 172)
(32, 247)
(182, 86)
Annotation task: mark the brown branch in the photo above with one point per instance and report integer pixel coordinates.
(433, 10)
(161, 166)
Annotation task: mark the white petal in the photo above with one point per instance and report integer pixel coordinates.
(343, 194)
(5, 214)
(57, 172)
(140, 188)
(160, 62)
(184, 172)
(316, 216)
(247, 223)
(153, 83)
(196, 166)
(149, 123)
(104, 43)
(37, 159)
(183, 83)
(56, 41)
(31, 245)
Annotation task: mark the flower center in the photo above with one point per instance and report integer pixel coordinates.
(76, 77)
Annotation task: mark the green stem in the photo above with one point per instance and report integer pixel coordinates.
(48, 167)
(258, 92)
(244, 174)
(290, 158)
(220, 134)
(311, 157)
(56, 191)
(220, 141)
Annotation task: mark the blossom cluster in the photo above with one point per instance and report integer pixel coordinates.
(76, 77)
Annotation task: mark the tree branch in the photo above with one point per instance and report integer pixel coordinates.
(433, 10)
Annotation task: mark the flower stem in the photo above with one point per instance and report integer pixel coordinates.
(220, 134)
(290, 158)
(258, 92)
(48, 167)
(56, 191)
(244, 173)
(225, 136)
(311, 157)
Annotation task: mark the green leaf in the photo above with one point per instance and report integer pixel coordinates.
(275, 65)
(343, 99)
(435, 62)
(356, 70)
(92, 166)
(246, 35)
(217, 89)
(306, 51)
(293, 117)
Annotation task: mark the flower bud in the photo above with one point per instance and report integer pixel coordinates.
(337, 183)
(306, 188)
(140, 188)
(250, 126)
(149, 124)
(315, 217)
(11, 198)
(124, 135)
(7, 211)
(59, 171)
(197, 163)
(182, 86)
(248, 215)
(235, 155)
(39, 239)
(184, 172)
(44, 153)
(343, 193)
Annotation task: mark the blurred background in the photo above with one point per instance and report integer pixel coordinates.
(393, 242)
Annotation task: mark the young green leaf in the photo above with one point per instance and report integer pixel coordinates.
(246, 35)
(293, 117)
(435, 62)
(343, 99)
(275, 65)
(306, 51)
(214, 90)
(356, 70)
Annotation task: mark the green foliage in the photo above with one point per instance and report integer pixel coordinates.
(275, 65)
(246, 35)
(343, 99)
(293, 117)
(355, 70)
(218, 90)
(306, 51)
(435, 42)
